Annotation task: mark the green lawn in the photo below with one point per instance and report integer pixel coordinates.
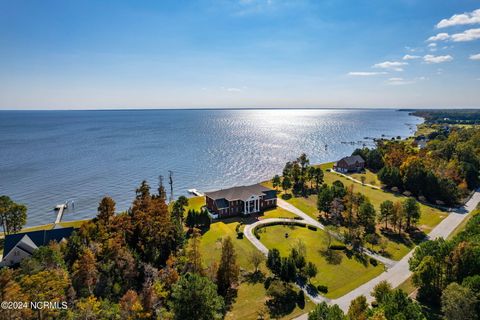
(277, 213)
(340, 278)
(195, 203)
(251, 296)
(407, 286)
(370, 177)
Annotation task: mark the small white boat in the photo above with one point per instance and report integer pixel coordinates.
(195, 192)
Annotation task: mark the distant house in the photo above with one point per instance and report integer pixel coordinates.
(350, 164)
(242, 200)
(19, 246)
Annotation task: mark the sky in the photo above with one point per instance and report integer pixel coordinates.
(82, 54)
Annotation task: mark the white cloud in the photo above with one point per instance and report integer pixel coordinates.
(461, 19)
(432, 45)
(437, 59)
(391, 65)
(439, 37)
(410, 57)
(234, 90)
(467, 35)
(475, 56)
(365, 73)
(399, 81)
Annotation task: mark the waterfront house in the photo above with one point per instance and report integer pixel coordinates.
(350, 164)
(19, 246)
(242, 200)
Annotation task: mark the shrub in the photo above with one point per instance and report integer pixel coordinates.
(373, 262)
(312, 228)
(255, 232)
(322, 288)
(338, 247)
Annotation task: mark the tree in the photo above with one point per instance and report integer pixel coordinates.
(85, 273)
(13, 216)
(390, 176)
(282, 298)
(386, 212)
(106, 210)
(358, 308)
(336, 210)
(194, 256)
(323, 311)
(366, 216)
(195, 297)
(48, 285)
(256, 258)
(178, 210)
(288, 269)
(274, 262)
(397, 305)
(310, 270)
(458, 303)
(286, 183)
(317, 176)
(276, 182)
(324, 200)
(227, 274)
(412, 211)
(131, 307)
(381, 291)
(10, 290)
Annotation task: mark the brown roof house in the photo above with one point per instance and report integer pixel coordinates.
(350, 164)
(242, 200)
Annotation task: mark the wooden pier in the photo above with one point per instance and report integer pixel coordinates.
(60, 208)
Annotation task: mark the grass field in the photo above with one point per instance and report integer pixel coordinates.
(251, 296)
(370, 177)
(340, 278)
(430, 216)
(195, 203)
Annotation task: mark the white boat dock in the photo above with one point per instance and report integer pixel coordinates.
(195, 192)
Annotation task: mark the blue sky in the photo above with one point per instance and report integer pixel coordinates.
(239, 53)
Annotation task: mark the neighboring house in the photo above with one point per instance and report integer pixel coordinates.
(421, 143)
(240, 200)
(19, 246)
(350, 164)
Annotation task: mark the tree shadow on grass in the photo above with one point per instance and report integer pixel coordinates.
(331, 256)
(230, 298)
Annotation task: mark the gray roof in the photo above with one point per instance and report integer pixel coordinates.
(29, 241)
(241, 193)
(353, 159)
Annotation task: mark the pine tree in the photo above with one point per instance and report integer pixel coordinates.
(227, 274)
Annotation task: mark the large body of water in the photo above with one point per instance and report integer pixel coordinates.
(47, 157)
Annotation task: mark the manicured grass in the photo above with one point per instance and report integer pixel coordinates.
(277, 213)
(195, 203)
(407, 286)
(251, 298)
(75, 224)
(340, 278)
(211, 243)
(370, 177)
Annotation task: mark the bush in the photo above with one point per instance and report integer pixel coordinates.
(373, 262)
(338, 247)
(301, 299)
(255, 232)
(312, 228)
(240, 235)
(322, 288)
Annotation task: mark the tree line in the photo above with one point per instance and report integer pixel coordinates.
(447, 273)
(136, 264)
(299, 177)
(443, 172)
